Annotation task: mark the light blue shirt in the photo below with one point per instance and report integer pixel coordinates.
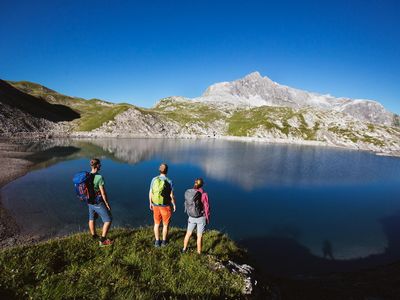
(163, 177)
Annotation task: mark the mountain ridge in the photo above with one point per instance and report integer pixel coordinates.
(254, 90)
(180, 117)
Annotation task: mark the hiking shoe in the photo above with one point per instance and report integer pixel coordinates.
(164, 243)
(95, 237)
(157, 243)
(183, 250)
(105, 243)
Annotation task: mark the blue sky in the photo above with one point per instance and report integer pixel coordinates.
(141, 51)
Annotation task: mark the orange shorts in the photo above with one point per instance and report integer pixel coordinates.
(162, 213)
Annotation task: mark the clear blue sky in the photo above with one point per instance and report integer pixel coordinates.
(141, 51)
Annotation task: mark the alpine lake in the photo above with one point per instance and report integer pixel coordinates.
(297, 209)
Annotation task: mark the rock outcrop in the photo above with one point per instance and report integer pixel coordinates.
(254, 90)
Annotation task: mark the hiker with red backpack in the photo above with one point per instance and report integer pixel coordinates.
(89, 187)
(161, 197)
(198, 209)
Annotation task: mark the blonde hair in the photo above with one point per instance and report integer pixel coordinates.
(198, 183)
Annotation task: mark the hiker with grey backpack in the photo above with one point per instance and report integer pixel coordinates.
(198, 209)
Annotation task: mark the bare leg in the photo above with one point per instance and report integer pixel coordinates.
(156, 231)
(186, 240)
(165, 232)
(106, 227)
(199, 242)
(92, 227)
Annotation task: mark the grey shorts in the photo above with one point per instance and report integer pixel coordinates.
(200, 223)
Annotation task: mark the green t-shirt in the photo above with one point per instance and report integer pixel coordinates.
(97, 182)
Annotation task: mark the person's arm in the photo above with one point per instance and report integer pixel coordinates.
(173, 200)
(172, 195)
(150, 202)
(104, 196)
(150, 195)
(206, 205)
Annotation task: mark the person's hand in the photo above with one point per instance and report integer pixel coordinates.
(174, 207)
(108, 207)
(151, 206)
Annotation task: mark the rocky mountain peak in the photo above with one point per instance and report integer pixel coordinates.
(253, 90)
(254, 76)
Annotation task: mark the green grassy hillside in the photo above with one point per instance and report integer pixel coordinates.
(244, 122)
(186, 112)
(240, 122)
(75, 267)
(93, 113)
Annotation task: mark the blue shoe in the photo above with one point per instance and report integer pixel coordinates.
(157, 243)
(164, 243)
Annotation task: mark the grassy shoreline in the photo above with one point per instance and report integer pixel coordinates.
(76, 267)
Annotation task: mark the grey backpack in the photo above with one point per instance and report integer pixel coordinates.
(193, 205)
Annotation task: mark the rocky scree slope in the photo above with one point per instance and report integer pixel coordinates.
(179, 117)
(252, 107)
(23, 113)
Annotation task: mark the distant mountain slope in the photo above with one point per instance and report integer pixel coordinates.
(21, 113)
(254, 90)
(91, 113)
(253, 108)
(34, 106)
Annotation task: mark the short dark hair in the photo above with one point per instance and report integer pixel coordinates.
(163, 168)
(94, 162)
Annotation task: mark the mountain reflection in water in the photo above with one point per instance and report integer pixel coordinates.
(319, 205)
(254, 165)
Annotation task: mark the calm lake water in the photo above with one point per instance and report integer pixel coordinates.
(298, 209)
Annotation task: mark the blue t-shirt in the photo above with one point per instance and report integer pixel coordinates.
(162, 177)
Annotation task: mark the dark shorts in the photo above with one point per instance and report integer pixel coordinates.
(101, 210)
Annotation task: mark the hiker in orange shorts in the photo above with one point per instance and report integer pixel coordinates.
(161, 197)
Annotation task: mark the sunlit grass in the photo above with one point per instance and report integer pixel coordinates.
(76, 267)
